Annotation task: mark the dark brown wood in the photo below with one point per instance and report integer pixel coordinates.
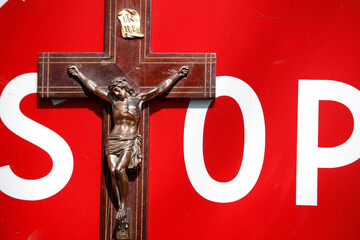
(144, 70)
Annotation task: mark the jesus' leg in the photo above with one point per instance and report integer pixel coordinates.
(123, 182)
(112, 161)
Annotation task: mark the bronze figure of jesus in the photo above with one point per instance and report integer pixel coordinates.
(123, 145)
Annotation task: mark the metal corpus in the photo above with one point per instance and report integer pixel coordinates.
(130, 23)
(123, 144)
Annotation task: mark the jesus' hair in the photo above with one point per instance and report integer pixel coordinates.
(121, 82)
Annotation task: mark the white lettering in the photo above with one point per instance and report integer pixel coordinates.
(254, 144)
(2, 2)
(49, 141)
(310, 157)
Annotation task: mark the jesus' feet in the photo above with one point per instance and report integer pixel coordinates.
(121, 214)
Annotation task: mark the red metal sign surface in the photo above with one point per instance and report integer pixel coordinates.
(273, 157)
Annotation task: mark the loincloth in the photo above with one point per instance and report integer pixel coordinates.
(117, 144)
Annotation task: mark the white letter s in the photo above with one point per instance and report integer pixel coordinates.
(40, 136)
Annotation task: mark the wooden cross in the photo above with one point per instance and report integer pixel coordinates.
(144, 70)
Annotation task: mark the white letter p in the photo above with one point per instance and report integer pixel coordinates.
(310, 157)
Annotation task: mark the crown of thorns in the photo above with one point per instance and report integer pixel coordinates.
(121, 82)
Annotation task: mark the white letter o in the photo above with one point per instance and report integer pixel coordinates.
(254, 143)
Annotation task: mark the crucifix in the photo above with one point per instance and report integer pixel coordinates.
(126, 55)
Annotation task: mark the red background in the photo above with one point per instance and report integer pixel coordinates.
(268, 44)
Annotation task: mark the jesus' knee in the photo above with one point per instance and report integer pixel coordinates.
(121, 171)
(112, 170)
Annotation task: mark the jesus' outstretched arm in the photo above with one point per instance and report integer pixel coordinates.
(89, 84)
(165, 85)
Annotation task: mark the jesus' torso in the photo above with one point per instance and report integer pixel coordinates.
(126, 115)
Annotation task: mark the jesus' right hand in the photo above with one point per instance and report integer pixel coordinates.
(73, 71)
